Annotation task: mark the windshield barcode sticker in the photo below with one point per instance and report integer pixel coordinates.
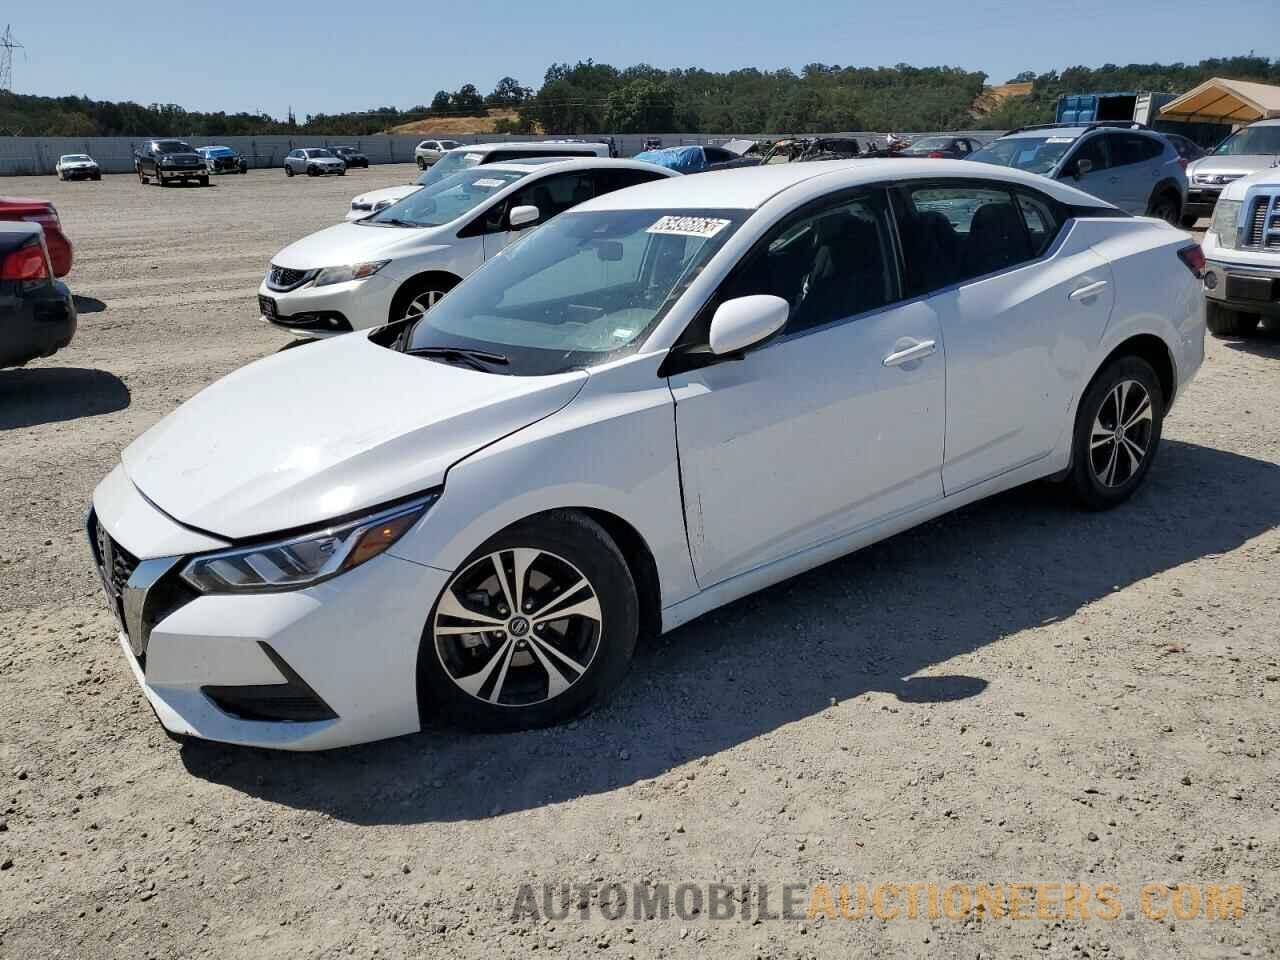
(705, 227)
(490, 183)
(1061, 140)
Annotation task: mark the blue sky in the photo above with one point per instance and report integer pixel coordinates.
(335, 55)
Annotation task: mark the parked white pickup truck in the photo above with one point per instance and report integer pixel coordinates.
(1242, 254)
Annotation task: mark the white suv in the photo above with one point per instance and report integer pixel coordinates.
(463, 157)
(1242, 254)
(401, 260)
(429, 151)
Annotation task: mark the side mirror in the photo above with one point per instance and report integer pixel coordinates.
(522, 217)
(744, 321)
(1083, 166)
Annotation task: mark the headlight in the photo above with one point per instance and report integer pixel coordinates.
(352, 271)
(1226, 218)
(304, 560)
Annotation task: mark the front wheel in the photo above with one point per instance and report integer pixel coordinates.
(288, 171)
(537, 625)
(1117, 432)
(1224, 322)
(1167, 208)
(204, 181)
(422, 164)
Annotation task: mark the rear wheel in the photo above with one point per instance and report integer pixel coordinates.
(142, 177)
(1224, 322)
(288, 170)
(422, 164)
(537, 625)
(1117, 432)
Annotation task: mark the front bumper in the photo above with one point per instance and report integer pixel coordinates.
(308, 310)
(324, 171)
(181, 173)
(1201, 200)
(1249, 288)
(81, 173)
(349, 646)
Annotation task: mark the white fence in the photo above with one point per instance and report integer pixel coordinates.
(25, 156)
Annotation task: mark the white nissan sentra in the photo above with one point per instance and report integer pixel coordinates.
(402, 259)
(660, 401)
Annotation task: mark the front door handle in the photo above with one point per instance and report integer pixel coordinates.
(917, 351)
(1087, 292)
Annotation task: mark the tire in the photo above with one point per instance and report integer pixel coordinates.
(1166, 206)
(1108, 464)
(312, 172)
(97, 176)
(418, 296)
(422, 164)
(288, 170)
(204, 181)
(142, 177)
(160, 180)
(530, 673)
(1224, 322)
(1189, 220)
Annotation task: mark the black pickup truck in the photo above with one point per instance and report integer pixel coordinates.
(164, 161)
(37, 313)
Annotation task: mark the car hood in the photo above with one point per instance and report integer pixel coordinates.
(182, 156)
(390, 194)
(351, 243)
(1237, 164)
(324, 430)
(80, 163)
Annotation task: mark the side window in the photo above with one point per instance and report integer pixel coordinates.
(553, 195)
(1095, 150)
(608, 181)
(829, 265)
(1127, 148)
(962, 145)
(953, 234)
(1042, 219)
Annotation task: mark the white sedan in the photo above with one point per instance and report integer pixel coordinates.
(661, 401)
(402, 259)
(77, 166)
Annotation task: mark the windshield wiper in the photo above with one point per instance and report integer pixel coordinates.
(475, 358)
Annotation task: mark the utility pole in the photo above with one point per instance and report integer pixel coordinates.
(7, 46)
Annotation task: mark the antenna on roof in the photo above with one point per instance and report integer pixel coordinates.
(7, 46)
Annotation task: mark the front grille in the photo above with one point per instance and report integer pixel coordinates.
(1256, 229)
(115, 562)
(284, 278)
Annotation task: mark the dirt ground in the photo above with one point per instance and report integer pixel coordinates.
(1019, 693)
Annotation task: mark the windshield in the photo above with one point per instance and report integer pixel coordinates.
(1033, 154)
(319, 153)
(450, 164)
(76, 158)
(931, 143)
(173, 146)
(583, 288)
(219, 151)
(1258, 141)
(448, 199)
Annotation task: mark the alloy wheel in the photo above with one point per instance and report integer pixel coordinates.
(518, 627)
(421, 303)
(1121, 434)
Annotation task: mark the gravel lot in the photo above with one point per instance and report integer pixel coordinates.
(1018, 693)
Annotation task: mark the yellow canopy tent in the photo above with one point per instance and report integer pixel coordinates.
(1225, 101)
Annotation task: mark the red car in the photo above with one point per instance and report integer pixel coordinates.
(43, 213)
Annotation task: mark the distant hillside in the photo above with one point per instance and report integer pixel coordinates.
(992, 98)
(444, 126)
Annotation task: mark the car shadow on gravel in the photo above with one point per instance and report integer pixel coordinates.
(867, 624)
(30, 396)
(88, 304)
(1265, 342)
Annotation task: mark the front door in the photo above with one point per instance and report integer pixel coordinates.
(551, 195)
(832, 425)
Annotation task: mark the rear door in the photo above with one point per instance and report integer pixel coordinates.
(1021, 305)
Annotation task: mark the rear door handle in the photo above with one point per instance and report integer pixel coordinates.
(1088, 291)
(917, 351)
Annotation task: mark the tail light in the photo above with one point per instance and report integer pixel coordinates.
(46, 218)
(1193, 257)
(936, 155)
(28, 262)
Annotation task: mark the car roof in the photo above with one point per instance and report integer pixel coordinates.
(750, 188)
(564, 164)
(540, 146)
(1072, 132)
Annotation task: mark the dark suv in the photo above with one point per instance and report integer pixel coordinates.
(163, 161)
(351, 157)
